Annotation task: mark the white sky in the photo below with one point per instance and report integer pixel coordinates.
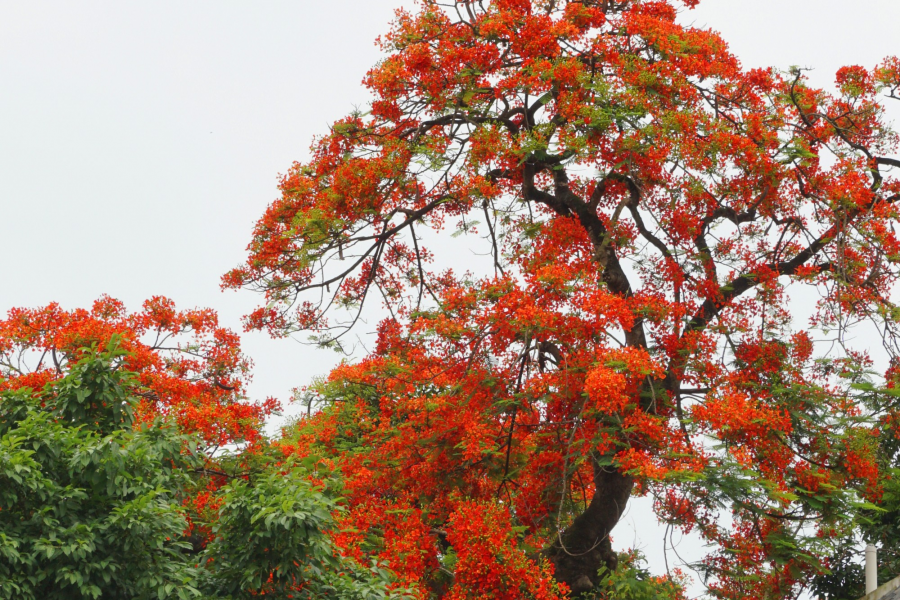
(140, 141)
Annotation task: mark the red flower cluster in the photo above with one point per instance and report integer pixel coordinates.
(187, 366)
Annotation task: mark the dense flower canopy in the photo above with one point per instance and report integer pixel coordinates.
(652, 216)
(191, 368)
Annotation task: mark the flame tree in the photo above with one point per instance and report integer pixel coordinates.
(651, 216)
(190, 368)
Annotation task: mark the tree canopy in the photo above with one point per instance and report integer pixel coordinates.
(677, 282)
(87, 507)
(677, 253)
(96, 504)
(191, 368)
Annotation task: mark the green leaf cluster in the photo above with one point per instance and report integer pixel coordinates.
(271, 536)
(91, 506)
(632, 581)
(88, 505)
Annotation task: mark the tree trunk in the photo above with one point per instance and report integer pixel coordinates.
(584, 547)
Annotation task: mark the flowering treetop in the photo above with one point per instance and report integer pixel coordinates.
(647, 210)
(191, 369)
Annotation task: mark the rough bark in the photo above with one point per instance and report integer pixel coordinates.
(584, 547)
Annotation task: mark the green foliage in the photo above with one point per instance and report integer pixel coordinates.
(87, 504)
(271, 536)
(878, 523)
(845, 579)
(883, 528)
(632, 581)
(91, 507)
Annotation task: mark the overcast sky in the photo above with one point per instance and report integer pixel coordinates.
(139, 141)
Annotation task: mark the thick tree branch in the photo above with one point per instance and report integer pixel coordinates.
(739, 285)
